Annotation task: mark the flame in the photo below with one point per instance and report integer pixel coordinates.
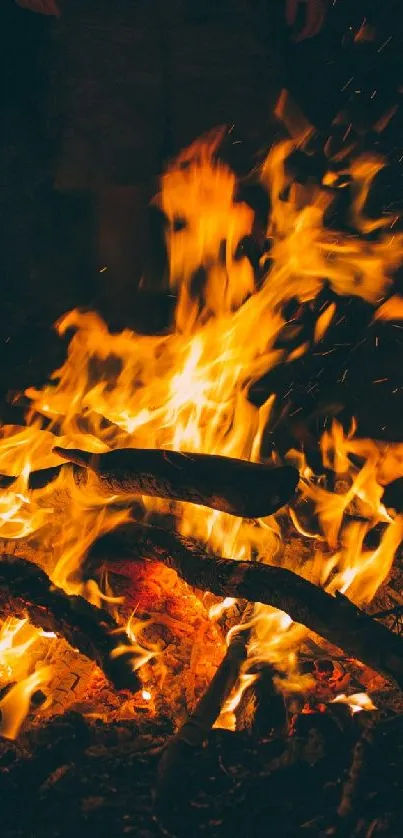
(391, 309)
(16, 638)
(140, 654)
(227, 719)
(146, 695)
(356, 702)
(15, 705)
(323, 322)
(188, 390)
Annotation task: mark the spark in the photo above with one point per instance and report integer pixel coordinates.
(347, 84)
(385, 43)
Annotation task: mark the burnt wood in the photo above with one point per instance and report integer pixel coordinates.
(26, 591)
(183, 747)
(334, 618)
(241, 488)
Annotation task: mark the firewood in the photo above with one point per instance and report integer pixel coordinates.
(353, 787)
(82, 776)
(193, 733)
(334, 618)
(262, 710)
(238, 487)
(26, 591)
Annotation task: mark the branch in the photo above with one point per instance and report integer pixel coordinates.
(26, 591)
(175, 760)
(334, 618)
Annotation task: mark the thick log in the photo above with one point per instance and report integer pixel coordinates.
(334, 618)
(238, 487)
(26, 591)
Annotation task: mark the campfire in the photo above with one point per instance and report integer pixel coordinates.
(163, 567)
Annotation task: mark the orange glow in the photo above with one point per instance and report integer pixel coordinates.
(187, 390)
(391, 309)
(15, 705)
(16, 638)
(356, 702)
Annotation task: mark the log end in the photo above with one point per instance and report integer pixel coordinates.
(73, 455)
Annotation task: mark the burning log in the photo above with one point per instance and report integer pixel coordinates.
(238, 487)
(262, 710)
(334, 618)
(26, 591)
(193, 733)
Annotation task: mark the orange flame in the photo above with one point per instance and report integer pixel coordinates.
(15, 706)
(188, 390)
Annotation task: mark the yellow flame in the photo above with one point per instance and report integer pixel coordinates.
(188, 389)
(15, 705)
(227, 719)
(16, 638)
(356, 702)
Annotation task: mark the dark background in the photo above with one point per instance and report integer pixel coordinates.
(48, 256)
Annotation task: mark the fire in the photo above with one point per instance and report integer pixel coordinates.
(15, 706)
(16, 638)
(356, 702)
(187, 390)
(146, 695)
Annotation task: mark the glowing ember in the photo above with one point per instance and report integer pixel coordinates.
(188, 391)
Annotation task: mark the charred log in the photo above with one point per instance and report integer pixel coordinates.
(262, 710)
(352, 802)
(238, 487)
(334, 618)
(184, 745)
(26, 591)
